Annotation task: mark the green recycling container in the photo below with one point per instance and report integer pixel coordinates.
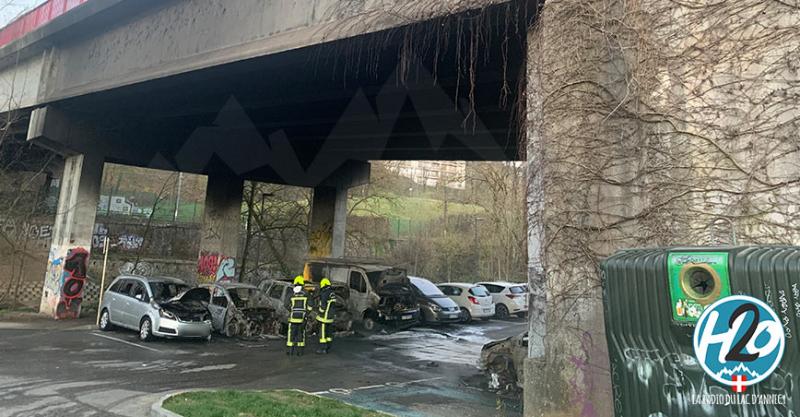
(655, 299)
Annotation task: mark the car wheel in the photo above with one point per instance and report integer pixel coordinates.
(369, 324)
(501, 311)
(233, 329)
(105, 321)
(466, 317)
(145, 330)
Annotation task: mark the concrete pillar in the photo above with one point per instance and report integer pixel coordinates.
(327, 228)
(67, 263)
(219, 242)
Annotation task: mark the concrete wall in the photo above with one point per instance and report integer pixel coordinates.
(163, 249)
(647, 122)
(20, 84)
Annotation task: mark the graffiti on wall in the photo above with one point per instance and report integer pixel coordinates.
(215, 267)
(38, 234)
(125, 241)
(66, 279)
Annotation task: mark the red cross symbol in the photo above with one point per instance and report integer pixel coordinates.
(738, 385)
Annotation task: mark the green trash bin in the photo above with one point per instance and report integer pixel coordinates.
(655, 299)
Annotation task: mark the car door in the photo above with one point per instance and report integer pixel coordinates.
(123, 304)
(495, 290)
(218, 306)
(139, 302)
(111, 300)
(359, 291)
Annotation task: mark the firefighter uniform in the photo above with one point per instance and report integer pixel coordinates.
(325, 315)
(296, 335)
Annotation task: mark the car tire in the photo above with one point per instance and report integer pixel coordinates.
(369, 324)
(501, 311)
(466, 317)
(146, 330)
(105, 321)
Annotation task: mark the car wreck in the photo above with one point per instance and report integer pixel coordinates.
(375, 295)
(502, 361)
(240, 310)
(278, 297)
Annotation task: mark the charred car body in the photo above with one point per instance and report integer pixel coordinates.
(156, 306)
(239, 310)
(375, 294)
(502, 360)
(278, 297)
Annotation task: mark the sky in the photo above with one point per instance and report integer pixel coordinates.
(10, 9)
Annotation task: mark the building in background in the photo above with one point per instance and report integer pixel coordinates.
(451, 174)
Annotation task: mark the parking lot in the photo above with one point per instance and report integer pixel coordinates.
(72, 369)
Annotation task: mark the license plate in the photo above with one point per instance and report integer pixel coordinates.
(407, 317)
(452, 316)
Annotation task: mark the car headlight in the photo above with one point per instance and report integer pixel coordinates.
(166, 314)
(435, 307)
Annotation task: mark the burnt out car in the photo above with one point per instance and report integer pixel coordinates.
(278, 297)
(240, 310)
(376, 295)
(502, 360)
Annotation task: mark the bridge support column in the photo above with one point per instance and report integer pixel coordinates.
(327, 229)
(219, 242)
(67, 263)
(328, 226)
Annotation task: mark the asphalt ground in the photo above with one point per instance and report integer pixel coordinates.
(71, 369)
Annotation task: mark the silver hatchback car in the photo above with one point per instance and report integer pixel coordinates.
(156, 306)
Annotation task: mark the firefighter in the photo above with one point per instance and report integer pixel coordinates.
(325, 315)
(296, 335)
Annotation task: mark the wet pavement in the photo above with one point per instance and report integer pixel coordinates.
(70, 370)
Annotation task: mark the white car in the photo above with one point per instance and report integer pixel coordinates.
(474, 300)
(509, 298)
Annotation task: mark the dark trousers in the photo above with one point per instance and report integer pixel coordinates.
(296, 336)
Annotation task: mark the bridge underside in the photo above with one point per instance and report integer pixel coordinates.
(441, 90)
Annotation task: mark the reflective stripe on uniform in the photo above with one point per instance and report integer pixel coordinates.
(322, 317)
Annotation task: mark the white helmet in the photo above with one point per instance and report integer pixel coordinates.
(297, 289)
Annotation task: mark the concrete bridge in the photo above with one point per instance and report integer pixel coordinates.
(302, 92)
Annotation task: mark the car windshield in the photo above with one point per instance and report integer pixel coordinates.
(518, 289)
(479, 291)
(427, 288)
(164, 291)
(244, 297)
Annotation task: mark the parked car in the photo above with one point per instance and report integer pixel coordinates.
(434, 306)
(278, 297)
(164, 307)
(509, 298)
(502, 360)
(239, 309)
(474, 300)
(379, 295)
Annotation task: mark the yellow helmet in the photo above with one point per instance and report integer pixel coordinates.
(324, 283)
(299, 280)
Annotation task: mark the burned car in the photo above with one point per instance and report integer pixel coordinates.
(278, 297)
(239, 310)
(502, 360)
(376, 295)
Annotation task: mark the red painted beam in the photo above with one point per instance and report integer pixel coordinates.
(36, 18)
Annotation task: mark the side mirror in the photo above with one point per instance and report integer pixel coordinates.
(139, 297)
